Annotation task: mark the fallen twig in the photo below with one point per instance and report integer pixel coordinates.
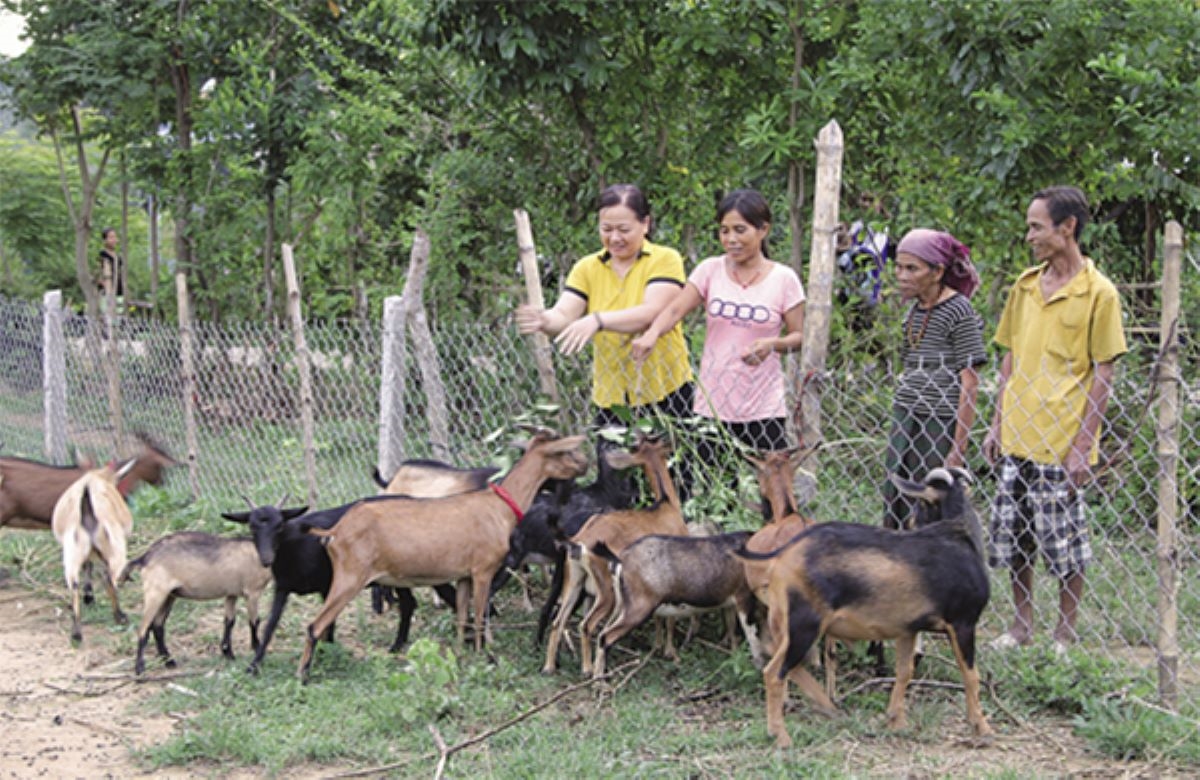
(466, 743)
(96, 727)
(991, 687)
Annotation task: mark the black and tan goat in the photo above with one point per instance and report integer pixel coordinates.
(202, 567)
(617, 530)
(92, 522)
(407, 542)
(677, 576)
(860, 582)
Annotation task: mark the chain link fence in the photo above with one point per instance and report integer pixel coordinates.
(249, 438)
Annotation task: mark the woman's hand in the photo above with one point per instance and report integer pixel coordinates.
(991, 445)
(576, 336)
(641, 347)
(758, 351)
(530, 319)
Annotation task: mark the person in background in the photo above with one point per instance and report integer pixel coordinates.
(934, 405)
(111, 266)
(610, 296)
(754, 311)
(1062, 328)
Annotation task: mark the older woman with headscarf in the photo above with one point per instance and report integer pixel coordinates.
(934, 405)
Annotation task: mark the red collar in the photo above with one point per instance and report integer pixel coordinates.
(507, 498)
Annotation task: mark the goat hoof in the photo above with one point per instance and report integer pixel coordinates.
(252, 669)
(170, 663)
(121, 619)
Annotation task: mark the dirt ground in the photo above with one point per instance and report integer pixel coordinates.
(77, 713)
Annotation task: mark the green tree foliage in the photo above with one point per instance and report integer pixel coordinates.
(341, 127)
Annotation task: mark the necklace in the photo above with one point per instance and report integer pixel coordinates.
(753, 279)
(914, 340)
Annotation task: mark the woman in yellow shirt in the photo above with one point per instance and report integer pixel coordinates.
(610, 297)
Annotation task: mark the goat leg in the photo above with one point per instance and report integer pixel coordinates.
(227, 634)
(277, 604)
(897, 718)
(407, 604)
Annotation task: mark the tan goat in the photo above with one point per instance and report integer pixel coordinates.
(405, 542)
(92, 520)
(201, 567)
(617, 530)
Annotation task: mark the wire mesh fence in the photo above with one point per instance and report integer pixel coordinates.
(249, 439)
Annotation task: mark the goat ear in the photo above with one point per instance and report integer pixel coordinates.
(237, 517)
(295, 511)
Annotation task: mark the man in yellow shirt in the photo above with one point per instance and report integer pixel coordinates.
(1062, 329)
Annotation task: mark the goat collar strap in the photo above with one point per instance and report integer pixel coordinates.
(507, 498)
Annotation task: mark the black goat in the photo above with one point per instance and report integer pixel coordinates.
(861, 582)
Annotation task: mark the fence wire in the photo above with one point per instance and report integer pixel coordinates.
(249, 439)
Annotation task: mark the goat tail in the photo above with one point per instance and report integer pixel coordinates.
(750, 555)
(87, 512)
(323, 533)
(130, 568)
(604, 551)
(379, 480)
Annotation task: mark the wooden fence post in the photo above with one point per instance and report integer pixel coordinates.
(187, 370)
(54, 378)
(305, 368)
(111, 361)
(392, 378)
(1166, 549)
(818, 306)
(527, 251)
(427, 361)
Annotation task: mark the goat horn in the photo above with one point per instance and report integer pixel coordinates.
(248, 501)
(283, 499)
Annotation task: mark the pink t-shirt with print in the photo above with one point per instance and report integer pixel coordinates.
(730, 389)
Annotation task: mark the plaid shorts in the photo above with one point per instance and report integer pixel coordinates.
(1036, 508)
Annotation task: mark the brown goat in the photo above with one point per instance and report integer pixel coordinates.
(29, 490)
(406, 542)
(617, 530)
(857, 582)
(91, 520)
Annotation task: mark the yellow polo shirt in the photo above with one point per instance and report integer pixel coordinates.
(1055, 345)
(616, 380)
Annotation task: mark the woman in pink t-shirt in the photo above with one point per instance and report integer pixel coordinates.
(749, 300)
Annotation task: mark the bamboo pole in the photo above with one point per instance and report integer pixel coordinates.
(1166, 550)
(187, 371)
(54, 378)
(392, 380)
(818, 306)
(427, 361)
(304, 365)
(527, 251)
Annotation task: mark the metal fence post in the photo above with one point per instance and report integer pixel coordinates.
(187, 377)
(54, 377)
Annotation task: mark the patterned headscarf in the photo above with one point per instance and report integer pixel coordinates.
(942, 249)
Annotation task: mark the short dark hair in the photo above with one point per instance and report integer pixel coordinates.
(753, 208)
(104, 233)
(627, 195)
(1064, 201)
